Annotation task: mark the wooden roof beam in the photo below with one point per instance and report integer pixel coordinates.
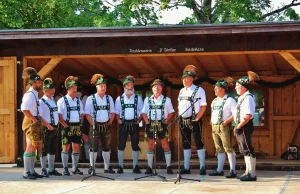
(173, 64)
(131, 68)
(273, 65)
(147, 65)
(291, 59)
(103, 67)
(49, 66)
(200, 66)
(247, 62)
(224, 68)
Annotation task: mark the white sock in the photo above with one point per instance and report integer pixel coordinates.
(93, 155)
(64, 159)
(168, 158)
(86, 146)
(33, 159)
(135, 156)
(150, 158)
(43, 162)
(106, 159)
(75, 159)
(247, 159)
(51, 160)
(201, 155)
(221, 160)
(232, 161)
(120, 157)
(252, 166)
(27, 162)
(187, 157)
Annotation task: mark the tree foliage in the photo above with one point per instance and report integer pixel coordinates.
(15, 14)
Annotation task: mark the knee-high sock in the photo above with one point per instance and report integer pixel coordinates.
(221, 160)
(64, 159)
(27, 162)
(201, 155)
(51, 159)
(247, 160)
(150, 158)
(252, 166)
(120, 157)
(33, 159)
(232, 161)
(93, 155)
(75, 159)
(135, 156)
(187, 157)
(43, 162)
(168, 158)
(86, 146)
(106, 159)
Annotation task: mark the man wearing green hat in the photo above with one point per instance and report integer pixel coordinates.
(129, 114)
(222, 108)
(243, 117)
(70, 112)
(50, 128)
(32, 121)
(157, 112)
(100, 111)
(191, 105)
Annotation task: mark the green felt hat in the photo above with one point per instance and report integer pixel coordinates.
(31, 74)
(71, 81)
(48, 84)
(156, 82)
(128, 79)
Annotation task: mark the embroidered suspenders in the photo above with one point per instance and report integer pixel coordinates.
(191, 99)
(155, 107)
(103, 107)
(52, 110)
(238, 108)
(72, 108)
(220, 108)
(124, 106)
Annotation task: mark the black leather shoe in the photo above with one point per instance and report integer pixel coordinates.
(149, 170)
(216, 173)
(90, 170)
(37, 175)
(109, 170)
(77, 171)
(120, 170)
(248, 178)
(231, 175)
(66, 172)
(28, 176)
(137, 170)
(54, 173)
(169, 170)
(185, 171)
(239, 177)
(203, 171)
(44, 173)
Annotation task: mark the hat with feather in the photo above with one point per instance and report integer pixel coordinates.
(190, 70)
(98, 79)
(157, 82)
(71, 81)
(48, 84)
(246, 80)
(128, 79)
(31, 75)
(225, 83)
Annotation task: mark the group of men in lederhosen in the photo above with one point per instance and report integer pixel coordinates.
(42, 117)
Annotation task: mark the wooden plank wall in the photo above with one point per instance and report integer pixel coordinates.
(8, 133)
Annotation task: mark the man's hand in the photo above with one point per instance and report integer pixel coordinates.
(119, 121)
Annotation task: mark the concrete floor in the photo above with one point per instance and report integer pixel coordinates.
(11, 181)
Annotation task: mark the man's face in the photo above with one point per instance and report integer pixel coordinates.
(219, 91)
(72, 90)
(37, 85)
(50, 92)
(101, 88)
(240, 90)
(187, 81)
(157, 89)
(129, 88)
